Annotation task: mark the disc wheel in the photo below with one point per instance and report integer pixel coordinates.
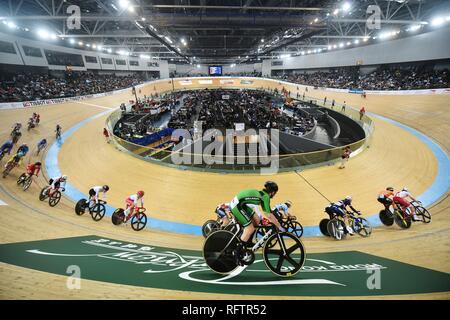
(286, 255)
(209, 227)
(404, 223)
(386, 218)
(80, 207)
(54, 199)
(98, 212)
(138, 222)
(117, 217)
(336, 229)
(218, 251)
(323, 227)
(362, 227)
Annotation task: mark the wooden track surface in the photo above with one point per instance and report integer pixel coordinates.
(395, 158)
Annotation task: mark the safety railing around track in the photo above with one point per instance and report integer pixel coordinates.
(249, 164)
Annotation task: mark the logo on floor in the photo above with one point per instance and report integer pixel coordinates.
(350, 273)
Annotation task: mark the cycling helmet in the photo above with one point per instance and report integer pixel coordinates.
(271, 186)
(140, 194)
(64, 177)
(105, 187)
(405, 189)
(348, 198)
(288, 203)
(390, 189)
(38, 164)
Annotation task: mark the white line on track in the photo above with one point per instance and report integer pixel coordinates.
(93, 105)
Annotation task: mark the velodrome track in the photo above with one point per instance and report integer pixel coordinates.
(396, 157)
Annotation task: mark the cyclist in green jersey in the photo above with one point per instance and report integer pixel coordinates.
(242, 207)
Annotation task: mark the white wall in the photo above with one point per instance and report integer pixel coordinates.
(227, 69)
(427, 46)
(21, 59)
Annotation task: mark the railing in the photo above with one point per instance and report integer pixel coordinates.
(234, 163)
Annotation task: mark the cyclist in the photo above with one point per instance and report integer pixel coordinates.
(31, 123)
(16, 127)
(245, 215)
(222, 211)
(94, 193)
(6, 147)
(131, 203)
(56, 183)
(36, 118)
(33, 169)
(23, 149)
(281, 211)
(41, 145)
(385, 197)
(58, 131)
(16, 159)
(400, 198)
(340, 209)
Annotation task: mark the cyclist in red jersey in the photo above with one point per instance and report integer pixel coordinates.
(34, 169)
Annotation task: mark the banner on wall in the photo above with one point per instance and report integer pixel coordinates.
(226, 81)
(357, 91)
(205, 81)
(185, 82)
(246, 82)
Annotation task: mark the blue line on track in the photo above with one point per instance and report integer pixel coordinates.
(439, 187)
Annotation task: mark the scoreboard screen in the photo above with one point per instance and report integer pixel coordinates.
(215, 70)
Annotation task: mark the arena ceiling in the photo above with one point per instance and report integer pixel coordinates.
(228, 31)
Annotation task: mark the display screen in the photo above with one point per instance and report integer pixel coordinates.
(215, 70)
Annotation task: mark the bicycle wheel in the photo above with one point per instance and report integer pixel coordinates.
(209, 227)
(402, 222)
(295, 228)
(138, 221)
(286, 256)
(336, 229)
(8, 168)
(362, 227)
(54, 199)
(423, 214)
(27, 183)
(43, 194)
(21, 179)
(117, 217)
(80, 207)
(386, 218)
(323, 227)
(218, 251)
(98, 212)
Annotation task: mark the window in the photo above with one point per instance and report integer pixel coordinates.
(63, 59)
(7, 47)
(134, 63)
(152, 64)
(32, 51)
(121, 62)
(90, 59)
(277, 63)
(107, 61)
